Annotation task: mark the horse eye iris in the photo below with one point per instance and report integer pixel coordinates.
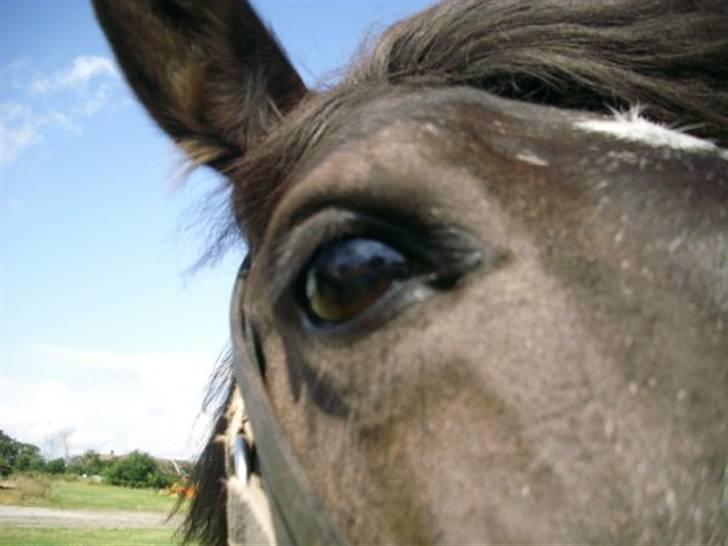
(348, 276)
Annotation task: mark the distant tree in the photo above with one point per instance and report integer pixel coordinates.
(89, 463)
(56, 466)
(137, 469)
(29, 458)
(7, 448)
(18, 455)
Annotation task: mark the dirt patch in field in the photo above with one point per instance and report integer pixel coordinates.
(24, 516)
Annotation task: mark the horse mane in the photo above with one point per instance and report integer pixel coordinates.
(206, 519)
(669, 56)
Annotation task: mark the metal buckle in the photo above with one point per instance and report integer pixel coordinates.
(242, 459)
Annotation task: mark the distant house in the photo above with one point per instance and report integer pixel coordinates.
(106, 457)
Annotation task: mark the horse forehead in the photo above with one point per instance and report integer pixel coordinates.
(478, 115)
(461, 125)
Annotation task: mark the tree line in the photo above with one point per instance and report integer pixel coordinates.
(136, 469)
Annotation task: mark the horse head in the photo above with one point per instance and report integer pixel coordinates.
(485, 299)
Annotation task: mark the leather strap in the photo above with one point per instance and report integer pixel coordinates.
(298, 513)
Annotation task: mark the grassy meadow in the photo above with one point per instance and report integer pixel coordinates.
(24, 536)
(72, 493)
(75, 493)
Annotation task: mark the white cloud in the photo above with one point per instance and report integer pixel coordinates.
(156, 408)
(14, 140)
(12, 111)
(21, 128)
(95, 101)
(78, 74)
(85, 87)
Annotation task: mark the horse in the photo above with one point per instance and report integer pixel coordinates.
(485, 299)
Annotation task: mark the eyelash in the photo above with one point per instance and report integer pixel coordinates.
(297, 249)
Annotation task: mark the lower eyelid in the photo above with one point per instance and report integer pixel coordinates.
(397, 299)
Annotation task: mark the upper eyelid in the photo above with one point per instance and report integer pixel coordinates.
(423, 241)
(291, 251)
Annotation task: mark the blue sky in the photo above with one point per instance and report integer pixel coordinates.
(103, 334)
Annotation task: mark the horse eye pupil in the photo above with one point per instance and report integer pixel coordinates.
(348, 276)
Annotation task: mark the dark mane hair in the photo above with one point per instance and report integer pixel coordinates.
(669, 56)
(206, 519)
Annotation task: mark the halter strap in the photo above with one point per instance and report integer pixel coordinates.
(249, 514)
(299, 517)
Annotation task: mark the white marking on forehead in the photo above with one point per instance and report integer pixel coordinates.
(533, 159)
(632, 127)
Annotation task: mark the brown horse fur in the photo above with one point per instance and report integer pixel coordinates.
(611, 270)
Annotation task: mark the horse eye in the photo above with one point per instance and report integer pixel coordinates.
(346, 277)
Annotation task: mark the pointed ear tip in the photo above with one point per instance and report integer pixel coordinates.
(193, 83)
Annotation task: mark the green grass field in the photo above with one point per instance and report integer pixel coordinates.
(16, 536)
(75, 493)
(64, 493)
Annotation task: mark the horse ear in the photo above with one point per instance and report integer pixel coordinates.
(209, 73)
